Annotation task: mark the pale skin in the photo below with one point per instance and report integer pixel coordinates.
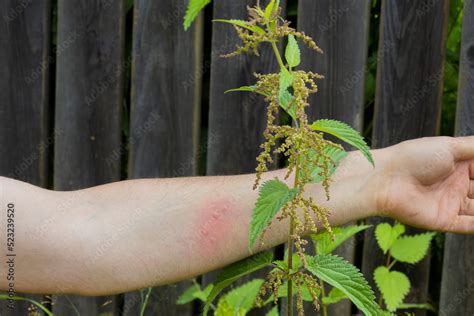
(133, 234)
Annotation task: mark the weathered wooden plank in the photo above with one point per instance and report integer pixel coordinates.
(236, 120)
(164, 130)
(408, 98)
(340, 28)
(89, 95)
(458, 267)
(25, 135)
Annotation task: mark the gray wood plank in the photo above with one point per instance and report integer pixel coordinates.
(25, 134)
(89, 96)
(165, 113)
(340, 28)
(458, 266)
(408, 99)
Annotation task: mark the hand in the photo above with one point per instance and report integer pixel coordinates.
(429, 183)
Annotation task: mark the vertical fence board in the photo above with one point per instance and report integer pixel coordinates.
(166, 88)
(408, 99)
(458, 267)
(24, 98)
(89, 95)
(340, 28)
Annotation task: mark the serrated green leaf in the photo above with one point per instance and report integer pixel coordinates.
(411, 249)
(243, 297)
(273, 311)
(193, 10)
(225, 309)
(345, 133)
(341, 274)
(324, 242)
(188, 295)
(273, 195)
(285, 98)
(292, 52)
(393, 285)
(336, 155)
(334, 296)
(243, 24)
(235, 271)
(270, 8)
(386, 235)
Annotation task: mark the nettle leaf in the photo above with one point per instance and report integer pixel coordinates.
(189, 294)
(336, 155)
(324, 242)
(235, 271)
(285, 98)
(417, 306)
(334, 296)
(345, 133)
(387, 234)
(411, 249)
(393, 285)
(243, 297)
(269, 9)
(243, 24)
(343, 275)
(193, 10)
(273, 312)
(273, 195)
(292, 52)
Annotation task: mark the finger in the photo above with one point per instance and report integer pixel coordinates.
(463, 147)
(467, 207)
(464, 224)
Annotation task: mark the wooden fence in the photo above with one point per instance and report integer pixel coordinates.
(67, 80)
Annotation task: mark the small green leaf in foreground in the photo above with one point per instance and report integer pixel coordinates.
(393, 285)
(386, 235)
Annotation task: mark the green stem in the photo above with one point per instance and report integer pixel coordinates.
(323, 294)
(21, 298)
(278, 57)
(145, 302)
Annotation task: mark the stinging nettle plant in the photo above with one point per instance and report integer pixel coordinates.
(311, 159)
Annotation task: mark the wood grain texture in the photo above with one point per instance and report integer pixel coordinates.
(25, 136)
(408, 99)
(340, 29)
(89, 96)
(165, 112)
(458, 267)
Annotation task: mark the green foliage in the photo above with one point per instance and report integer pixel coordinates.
(284, 96)
(336, 155)
(393, 286)
(387, 234)
(242, 299)
(244, 24)
(411, 249)
(270, 8)
(324, 242)
(273, 312)
(334, 296)
(417, 306)
(292, 52)
(273, 195)
(194, 292)
(347, 278)
(193, 10)
(235, 271)
(345, 133)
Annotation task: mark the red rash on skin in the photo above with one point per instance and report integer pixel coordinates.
(214, 224)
